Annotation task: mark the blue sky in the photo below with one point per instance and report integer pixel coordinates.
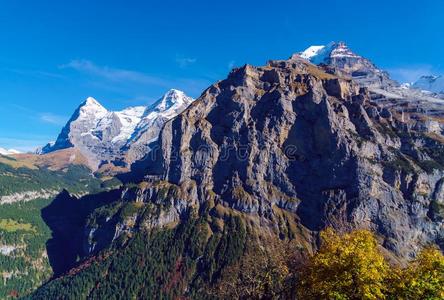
(53, 54)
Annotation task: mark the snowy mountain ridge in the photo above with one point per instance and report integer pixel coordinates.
(425, 96)
(434, 84)
(340, 57)
(105, 136)
(324, 53)
(4, 151)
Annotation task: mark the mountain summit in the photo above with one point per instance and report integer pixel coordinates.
(93, 103)
(150, 124)
(434, 84)
(269, 154)
(4, 151)
(326, 54)
(172, 99)
(105, 137)
(342, 61)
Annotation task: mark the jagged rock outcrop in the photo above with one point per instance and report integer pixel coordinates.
(273, 152)
(293, 137)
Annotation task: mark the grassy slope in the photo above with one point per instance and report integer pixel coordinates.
(21, 224)
(74, 178)
(27, 266)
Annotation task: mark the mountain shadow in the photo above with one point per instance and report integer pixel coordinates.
(66, 217)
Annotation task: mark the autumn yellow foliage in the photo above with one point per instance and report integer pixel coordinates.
(346, 267)
(350, 266)
(423, 279)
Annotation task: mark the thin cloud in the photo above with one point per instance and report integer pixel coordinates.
(231, 64)
(123, 81)
(114, 74)
(51, 118)
(185, 61)
(46, 117)
(37, 73)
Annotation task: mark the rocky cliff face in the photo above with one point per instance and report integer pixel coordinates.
(290, 137)
(292, 149)
(273, 152)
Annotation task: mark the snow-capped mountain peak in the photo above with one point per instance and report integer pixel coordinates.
(104, 136)
(430, 83)
(91, 101)
(92, 106)
(4, 151)
(172, 98)
(338, 58)
(342, 50)
(170, 105)
(322, 54)
(317, 54)
(311, 51)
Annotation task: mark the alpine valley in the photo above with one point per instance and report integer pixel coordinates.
(183, 198)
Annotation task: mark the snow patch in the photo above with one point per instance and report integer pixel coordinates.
(322, 54)
(166, 108)
(98, 131)
(4, 151)
(430, 83)
(6, 249)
